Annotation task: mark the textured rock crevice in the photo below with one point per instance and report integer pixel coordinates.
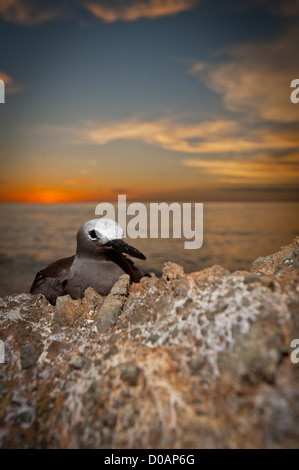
(197, 360)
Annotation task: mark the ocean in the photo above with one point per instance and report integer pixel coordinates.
(234, 235)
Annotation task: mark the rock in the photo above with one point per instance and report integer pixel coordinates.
(172, 271)
(77, 362)
(111, 308)
(258, 262)
(184, 361)
(69, 312)
(130, 374)
(29, 355)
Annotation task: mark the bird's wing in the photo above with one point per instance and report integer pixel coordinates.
(127, 265)
(51, 281)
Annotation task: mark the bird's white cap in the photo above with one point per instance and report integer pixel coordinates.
(107, 230)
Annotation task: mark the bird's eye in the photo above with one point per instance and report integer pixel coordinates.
(92, 234)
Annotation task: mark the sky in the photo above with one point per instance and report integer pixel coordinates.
(165, 100)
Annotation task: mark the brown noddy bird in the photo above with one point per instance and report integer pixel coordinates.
(98, 263)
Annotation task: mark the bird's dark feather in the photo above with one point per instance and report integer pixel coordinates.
(51, 281)
(56, 279)
(126, 264)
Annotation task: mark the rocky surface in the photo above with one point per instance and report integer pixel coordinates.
(199, 360)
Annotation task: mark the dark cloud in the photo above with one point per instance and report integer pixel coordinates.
(32, 12)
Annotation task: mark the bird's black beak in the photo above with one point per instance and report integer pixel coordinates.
(122, 246)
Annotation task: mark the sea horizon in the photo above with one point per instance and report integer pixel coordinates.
(234, 234)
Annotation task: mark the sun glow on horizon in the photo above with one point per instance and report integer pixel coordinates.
(44, 196)
(126, 105)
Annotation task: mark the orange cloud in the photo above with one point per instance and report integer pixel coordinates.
(27, 12)
(256, 170)
(255, 78)
(32, 12)
(205, 137)
(134, 10)
(169, 135)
